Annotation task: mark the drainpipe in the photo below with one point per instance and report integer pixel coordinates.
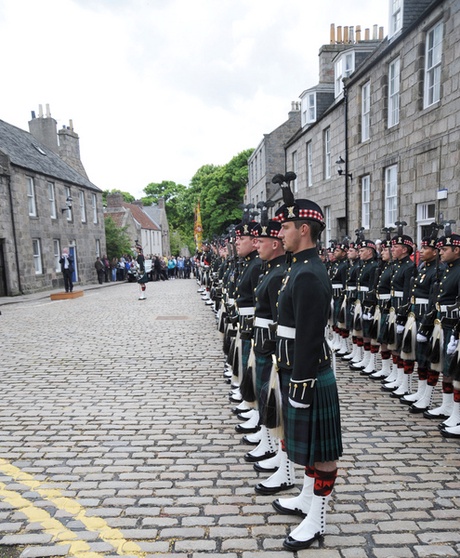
(8, 177)
(345, 95)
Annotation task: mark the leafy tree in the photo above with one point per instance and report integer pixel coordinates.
(127, 197)
(172, 193)
(117, 240)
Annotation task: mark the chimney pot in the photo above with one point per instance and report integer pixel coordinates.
(339, 34)
(332, 34)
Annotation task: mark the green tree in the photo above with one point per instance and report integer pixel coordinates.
(117, 240)
(221, 191)
(127, 197)
(172, 193)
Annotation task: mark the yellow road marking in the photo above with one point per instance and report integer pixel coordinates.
(95, 524)
(52, 526)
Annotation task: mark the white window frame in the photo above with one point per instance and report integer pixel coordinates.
(52, 200)
(37, 254)
(57, 253)
(366, 111)
(391, 195)
(426, 214)
(433, 59)
(98, 248)
(366, 201)
(327, 152)
(394, 77)
(31, 197)
(68, 195)
(328, 227)
(81, 196)
(396, 16)
(294, 168)
(343, 68)
(309, 162)
(94, 206)
(309, 108)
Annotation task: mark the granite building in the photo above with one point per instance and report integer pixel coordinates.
(380, 133)
(47, 204)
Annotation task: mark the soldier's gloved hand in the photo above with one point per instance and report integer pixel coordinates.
(298, 405)
(399, 329)
(368, 317)
(421, 338)
(452, 346)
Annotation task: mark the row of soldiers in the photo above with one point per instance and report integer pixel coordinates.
(268, 306)
(385, 303)
(272, 311)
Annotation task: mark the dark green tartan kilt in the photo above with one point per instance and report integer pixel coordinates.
(383, 328)
(245, 350)
(264, 365)
(367, 324)
(350, 314)
(337, 305)
(447, 331)
(313, 434)
(421, 354)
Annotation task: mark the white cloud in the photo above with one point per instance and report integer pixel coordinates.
(158, 88)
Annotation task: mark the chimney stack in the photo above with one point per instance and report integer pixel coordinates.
(69, 148)
(44, 129)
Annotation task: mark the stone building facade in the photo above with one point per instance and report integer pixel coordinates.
(268, 158)
(139, 224)
(47, 204)
(380, 133)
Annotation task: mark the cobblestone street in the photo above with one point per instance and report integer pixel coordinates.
(117, 439)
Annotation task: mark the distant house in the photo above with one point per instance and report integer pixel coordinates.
(140, 224)
(47, 204)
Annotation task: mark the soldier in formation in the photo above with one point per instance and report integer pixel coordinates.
(274, 298)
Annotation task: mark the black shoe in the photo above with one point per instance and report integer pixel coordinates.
(286, 511)
(248, 442)
(428, 415)
(242, 430)
(449, 434)
(294, 546)
(267, 490)
(254, 458)
(261, 469)
(397, 395)
(416, 410)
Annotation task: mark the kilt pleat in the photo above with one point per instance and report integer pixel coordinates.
(263, 368)
(313, 434)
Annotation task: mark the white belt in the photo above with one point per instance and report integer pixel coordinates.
(384, 296)
(363, 289)
(337, 286)
(286, 332)
(398, 294)
(447, 308)
(262, 322)
(351, 288)
(246, 311)
(421, 301)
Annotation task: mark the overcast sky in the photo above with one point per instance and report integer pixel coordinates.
(158, 88)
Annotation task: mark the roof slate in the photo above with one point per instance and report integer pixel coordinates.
(24, 151)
